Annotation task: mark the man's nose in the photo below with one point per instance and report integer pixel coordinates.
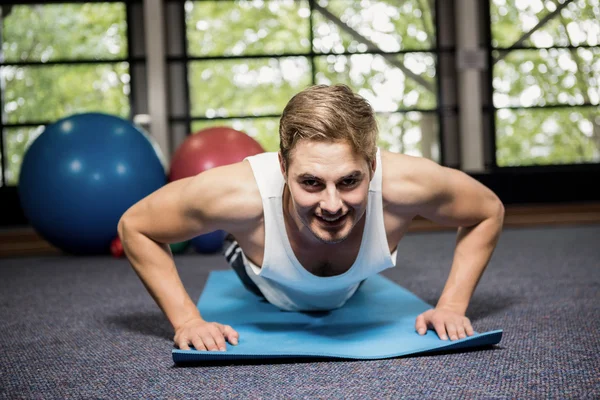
(331, 203)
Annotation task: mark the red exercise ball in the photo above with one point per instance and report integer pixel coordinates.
(209, 148)
(116, 248)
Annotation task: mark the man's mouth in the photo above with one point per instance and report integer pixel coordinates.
(334, 220)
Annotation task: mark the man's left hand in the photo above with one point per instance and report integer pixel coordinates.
(446, 323)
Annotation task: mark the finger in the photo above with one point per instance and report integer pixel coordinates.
(421, 325)
(218, 338)
(230, 334)
(440, 329)
(451, 329)
(209, 341)
(460, 330)
(198, 344)
(182, 344)
(468, 327)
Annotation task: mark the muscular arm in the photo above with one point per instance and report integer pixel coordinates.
(456, 199)
(452, 198)
(217, 199)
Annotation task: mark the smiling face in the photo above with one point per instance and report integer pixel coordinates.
(328, 183)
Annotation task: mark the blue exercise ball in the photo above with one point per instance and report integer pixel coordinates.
(81, 174)
(209, 243)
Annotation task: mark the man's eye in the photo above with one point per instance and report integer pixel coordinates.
(310, 182)
(349, 182)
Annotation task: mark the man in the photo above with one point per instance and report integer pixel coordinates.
(310, 223)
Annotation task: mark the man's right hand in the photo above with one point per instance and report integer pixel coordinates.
(204, 335)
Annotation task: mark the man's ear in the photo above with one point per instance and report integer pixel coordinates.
(373, 166)
(282, 165)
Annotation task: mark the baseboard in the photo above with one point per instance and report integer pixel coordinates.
(532, 215)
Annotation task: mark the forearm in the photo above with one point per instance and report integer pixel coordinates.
(154, 265)
(474, 248)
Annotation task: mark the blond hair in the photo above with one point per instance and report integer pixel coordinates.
(329, 113)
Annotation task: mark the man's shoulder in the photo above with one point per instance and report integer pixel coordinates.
(406, 168)
(235, 196)
(240, 187)
(407, 180)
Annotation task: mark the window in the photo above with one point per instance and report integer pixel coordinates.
(546, 82)
(245, 59)
(58, 60)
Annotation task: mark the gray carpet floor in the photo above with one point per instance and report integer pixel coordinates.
(83, 328)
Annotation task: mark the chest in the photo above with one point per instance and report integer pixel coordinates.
(324, 261)
(328, 260)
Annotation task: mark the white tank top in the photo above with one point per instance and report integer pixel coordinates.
(283, 281)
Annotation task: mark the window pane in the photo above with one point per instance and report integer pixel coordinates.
(65, 31)
(16, 143)
(388, 24)
(577, 24)
(46, 93)
(246, 87)
(554, 76)
(264, 130)
(389, 83)
(413, 133)
(216, 28)
(567, 135)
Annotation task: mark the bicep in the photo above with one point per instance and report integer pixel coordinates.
(165, 215)
(187, 207)
(452, 197)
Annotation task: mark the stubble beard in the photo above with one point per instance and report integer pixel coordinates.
(326, 240)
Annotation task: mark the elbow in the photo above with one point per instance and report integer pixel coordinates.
(501, 209)
(123, 225)
(499, 212)
(127, 220)
(127, 232)
(121, 228)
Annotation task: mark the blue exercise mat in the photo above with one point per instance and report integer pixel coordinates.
(377, 322)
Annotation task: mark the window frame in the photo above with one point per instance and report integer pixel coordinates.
(441, 110)
(518, 46)
(12, 213)
(530, 184)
